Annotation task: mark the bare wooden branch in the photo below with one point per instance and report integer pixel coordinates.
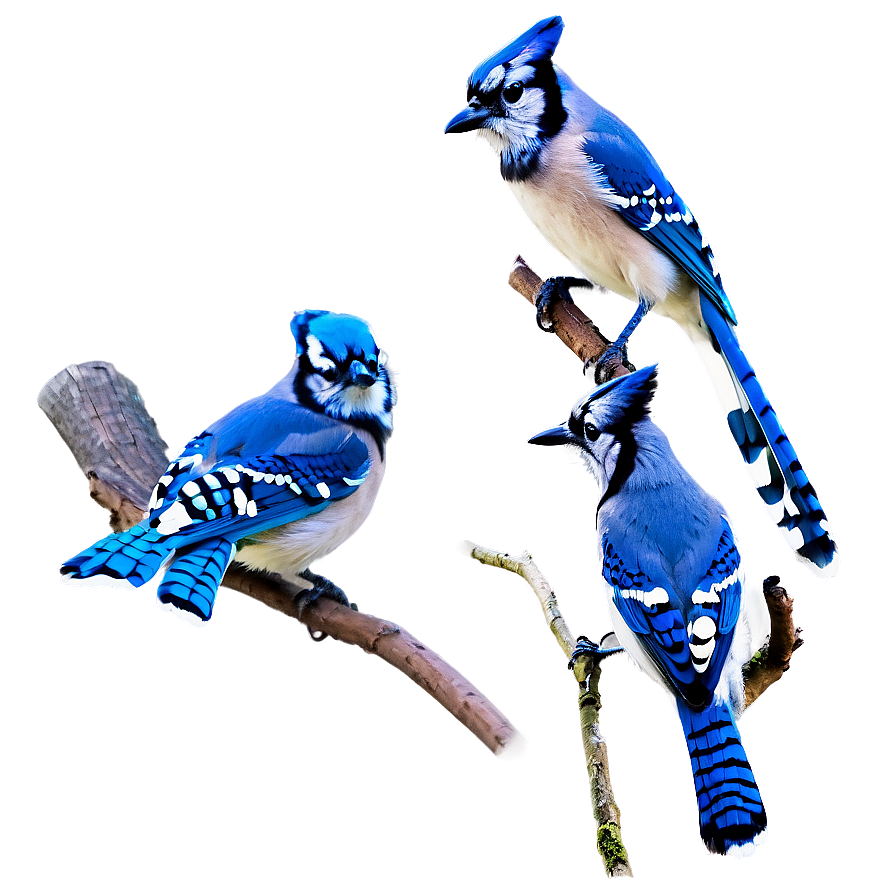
(581, 336)
(523, 565)
(587, 672)
(773, 660)
(101, 417)
(571, 325)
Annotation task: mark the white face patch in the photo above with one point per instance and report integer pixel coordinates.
(492, 79)
(517, 132)
(345, 402)
(316, 355)
(522, 72)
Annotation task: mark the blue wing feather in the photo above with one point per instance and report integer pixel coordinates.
(653, 207)
(664, 621)
(239, 499)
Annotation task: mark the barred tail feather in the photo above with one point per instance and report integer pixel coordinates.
(771, 459)
(732, 817)
(135, 555)
(191, 582)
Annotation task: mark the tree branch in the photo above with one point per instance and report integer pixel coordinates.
(582, 337)
(773, 659)
(102, 419)
(587, 672)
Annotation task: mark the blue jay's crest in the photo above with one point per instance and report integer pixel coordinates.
(602, 423)
(533, 46)
(617, 405)
(247, 484)
(514, 98)
(611, 408)
(342, 371)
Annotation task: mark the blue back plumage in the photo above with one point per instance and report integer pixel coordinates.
(649, 204)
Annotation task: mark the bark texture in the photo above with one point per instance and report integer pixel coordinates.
(586, 670)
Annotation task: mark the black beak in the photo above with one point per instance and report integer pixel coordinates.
(559, 435)
(470, 119)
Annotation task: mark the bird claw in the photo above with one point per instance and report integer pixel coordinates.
(602, 369)
(609, 644)
(321, 587)
(552, 290)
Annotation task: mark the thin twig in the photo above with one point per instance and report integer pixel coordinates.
(101, 417)
(587, 672)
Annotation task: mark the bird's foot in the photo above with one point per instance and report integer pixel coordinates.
(616, 354)
(320, 587)
(587, 656)
(609, 644)
(554, 289)
(606, 367)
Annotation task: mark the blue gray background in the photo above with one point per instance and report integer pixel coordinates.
(176, 180)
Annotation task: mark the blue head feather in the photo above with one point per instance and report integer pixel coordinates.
(342, 334)
(342, 372)
(618, 404)
(535, 45)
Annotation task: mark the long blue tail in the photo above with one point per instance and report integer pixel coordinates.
(783, 486)
(191, 582)
(135, 555)
(731, 811)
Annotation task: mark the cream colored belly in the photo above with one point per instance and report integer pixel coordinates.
(290, 549)
(609, 252)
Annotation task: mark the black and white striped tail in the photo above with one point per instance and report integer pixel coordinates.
(732, 818)
(191, 581)
(781, 482)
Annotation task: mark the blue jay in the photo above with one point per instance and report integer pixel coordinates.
(596, 193)
(280, 481)
(672, 572)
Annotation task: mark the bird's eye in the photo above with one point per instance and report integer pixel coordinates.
(329, 374)
(513, 92)
(591, 431)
